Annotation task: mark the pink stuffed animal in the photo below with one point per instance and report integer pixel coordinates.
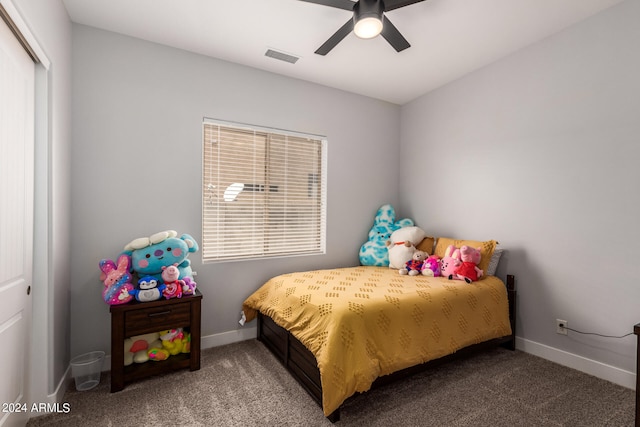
(189, 287)
(450, 261)
(468, 270)
(117, 280)
(431, 266)
(174, 286)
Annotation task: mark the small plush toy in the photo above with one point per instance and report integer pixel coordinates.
(468, 270)
(450, 261)
(117, 280)
(431, 266)
(158, 354)
(173, 285)
(189, 287)
(414, 265)
(186, 342)
(374, 251)
(401, 245)
(172, 340)
(148, 289)
(137, 348)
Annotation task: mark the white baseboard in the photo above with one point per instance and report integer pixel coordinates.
(597, 369)
(53, 401)
(62, 386)
(224, 338)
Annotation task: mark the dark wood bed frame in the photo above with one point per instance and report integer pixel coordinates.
(302, 365)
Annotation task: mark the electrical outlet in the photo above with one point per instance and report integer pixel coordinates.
(561, 327)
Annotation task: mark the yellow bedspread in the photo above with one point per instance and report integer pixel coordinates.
(365, 322)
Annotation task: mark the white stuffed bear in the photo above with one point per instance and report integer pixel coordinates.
(414, 265)
(402, 244)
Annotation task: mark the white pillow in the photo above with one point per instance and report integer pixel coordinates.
(493, 263)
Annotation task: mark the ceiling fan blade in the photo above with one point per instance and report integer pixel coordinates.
(396, 4)
(336, 38)
(393, 36)
(340, 4)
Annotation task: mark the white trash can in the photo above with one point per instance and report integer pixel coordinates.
(86, 369)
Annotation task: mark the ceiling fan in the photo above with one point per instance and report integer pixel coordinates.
(368, 21)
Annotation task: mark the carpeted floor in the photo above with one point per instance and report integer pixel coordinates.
(243, 385)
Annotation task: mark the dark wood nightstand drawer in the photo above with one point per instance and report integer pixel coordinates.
(155, 319)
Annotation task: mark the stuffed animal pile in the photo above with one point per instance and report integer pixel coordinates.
(156, 346)
(395, 244)
(159, 264)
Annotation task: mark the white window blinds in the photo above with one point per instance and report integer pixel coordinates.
(264, 192)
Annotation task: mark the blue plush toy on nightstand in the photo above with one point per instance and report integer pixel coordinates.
(148, 289)
(150, 254)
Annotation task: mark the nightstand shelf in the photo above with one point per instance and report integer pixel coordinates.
(141, 318)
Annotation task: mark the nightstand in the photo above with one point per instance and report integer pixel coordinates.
(136, 318)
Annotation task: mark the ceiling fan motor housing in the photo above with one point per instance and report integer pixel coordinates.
(367, 13)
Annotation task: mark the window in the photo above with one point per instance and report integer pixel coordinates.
(264, 192)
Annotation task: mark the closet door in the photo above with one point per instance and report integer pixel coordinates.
(17, 71)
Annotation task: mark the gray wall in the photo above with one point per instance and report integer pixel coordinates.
(540, 152)
(136, 167)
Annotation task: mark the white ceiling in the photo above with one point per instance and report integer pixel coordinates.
(449, 38)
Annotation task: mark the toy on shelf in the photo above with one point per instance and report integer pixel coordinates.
(148, 289)
(117, 280)
(138, 347)
(173, 285)
(189, 287)
(158, 354)
(186, 343)
(172, 340)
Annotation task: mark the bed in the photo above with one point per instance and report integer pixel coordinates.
(342, 331)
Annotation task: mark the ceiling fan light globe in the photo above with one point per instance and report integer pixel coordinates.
(368, 28)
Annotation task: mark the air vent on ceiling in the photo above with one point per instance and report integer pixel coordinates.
(281, 56)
